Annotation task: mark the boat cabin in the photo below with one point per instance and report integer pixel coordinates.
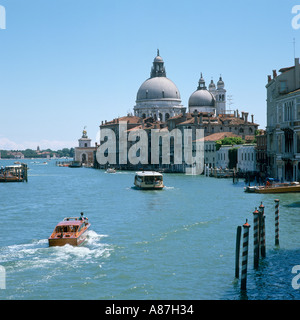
(148, 180)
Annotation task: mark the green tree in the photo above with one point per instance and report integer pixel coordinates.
(229, 141)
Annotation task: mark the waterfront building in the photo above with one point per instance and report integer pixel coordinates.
(283, 123)
(246, 158)
(223, 157)
(210, 148)
(261, 153)
(84, 153)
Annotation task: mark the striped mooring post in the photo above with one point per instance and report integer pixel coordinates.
(256, 241)
(276, 222)
(262, 224)
(246, 227)
(237, 251)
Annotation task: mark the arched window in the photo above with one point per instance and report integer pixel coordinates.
(167, 116)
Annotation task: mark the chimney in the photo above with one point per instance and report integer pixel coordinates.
(252, 118)
(274, 74)
(195, 117)
(102, 123)
(243, 115)
(246, 117)
(200, 118)
(183, 110)
(269, 78)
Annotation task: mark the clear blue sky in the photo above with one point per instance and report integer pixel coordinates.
(66, 64)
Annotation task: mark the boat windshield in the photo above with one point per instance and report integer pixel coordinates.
(71, 228)
(152, 179)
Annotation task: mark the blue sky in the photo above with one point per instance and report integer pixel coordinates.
(66, 64)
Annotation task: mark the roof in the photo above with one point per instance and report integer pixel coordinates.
(219, 136)
(128, 119)
(158, 88)
(148, 173)
(70, 222)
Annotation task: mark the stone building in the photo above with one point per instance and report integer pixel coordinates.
(283, 123)
(84, 153)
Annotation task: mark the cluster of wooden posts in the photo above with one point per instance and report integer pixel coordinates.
(259, 241)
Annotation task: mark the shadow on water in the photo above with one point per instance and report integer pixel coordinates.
(293, 205)
(273, 280)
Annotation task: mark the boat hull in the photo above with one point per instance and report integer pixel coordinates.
(287, 189)
(148, 187)
(58, 240)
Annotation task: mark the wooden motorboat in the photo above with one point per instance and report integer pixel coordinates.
(279, 188)
(72, 230)
(250, 189)
(148, 180)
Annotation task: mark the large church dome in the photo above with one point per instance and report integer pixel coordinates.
(158, 96)
(158, 88)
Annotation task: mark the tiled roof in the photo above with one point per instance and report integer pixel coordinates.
(220, 136)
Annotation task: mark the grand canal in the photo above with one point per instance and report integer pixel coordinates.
(178, 243)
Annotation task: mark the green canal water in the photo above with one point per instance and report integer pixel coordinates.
(178, 243)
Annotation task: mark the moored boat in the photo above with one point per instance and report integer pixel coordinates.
(111, 170)
(72, 230)
(148, 180)
(279, 188)
(250, 189)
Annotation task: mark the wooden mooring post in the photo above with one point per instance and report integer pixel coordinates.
(246, 227)
(276, 222)
(262, 231)
(256, 237)
(237, 251)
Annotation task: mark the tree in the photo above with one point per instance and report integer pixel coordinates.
(229, 141)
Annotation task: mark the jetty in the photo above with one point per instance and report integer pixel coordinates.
(14, 173)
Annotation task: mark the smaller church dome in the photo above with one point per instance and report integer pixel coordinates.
(202, 97)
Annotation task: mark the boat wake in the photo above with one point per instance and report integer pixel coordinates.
(38, 254)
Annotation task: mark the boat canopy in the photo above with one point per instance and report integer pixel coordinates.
(148, 173)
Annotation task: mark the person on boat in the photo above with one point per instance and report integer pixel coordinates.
(82, 217)
(268, 184)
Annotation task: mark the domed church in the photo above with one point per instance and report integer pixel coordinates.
(158, 96)
(212, 100)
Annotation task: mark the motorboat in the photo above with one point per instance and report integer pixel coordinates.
(279, 188)
(148, 180)
(72, 230)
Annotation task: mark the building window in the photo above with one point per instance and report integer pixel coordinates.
(298, 141)
(282, 87)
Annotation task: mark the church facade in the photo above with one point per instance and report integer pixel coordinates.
(159, 106)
